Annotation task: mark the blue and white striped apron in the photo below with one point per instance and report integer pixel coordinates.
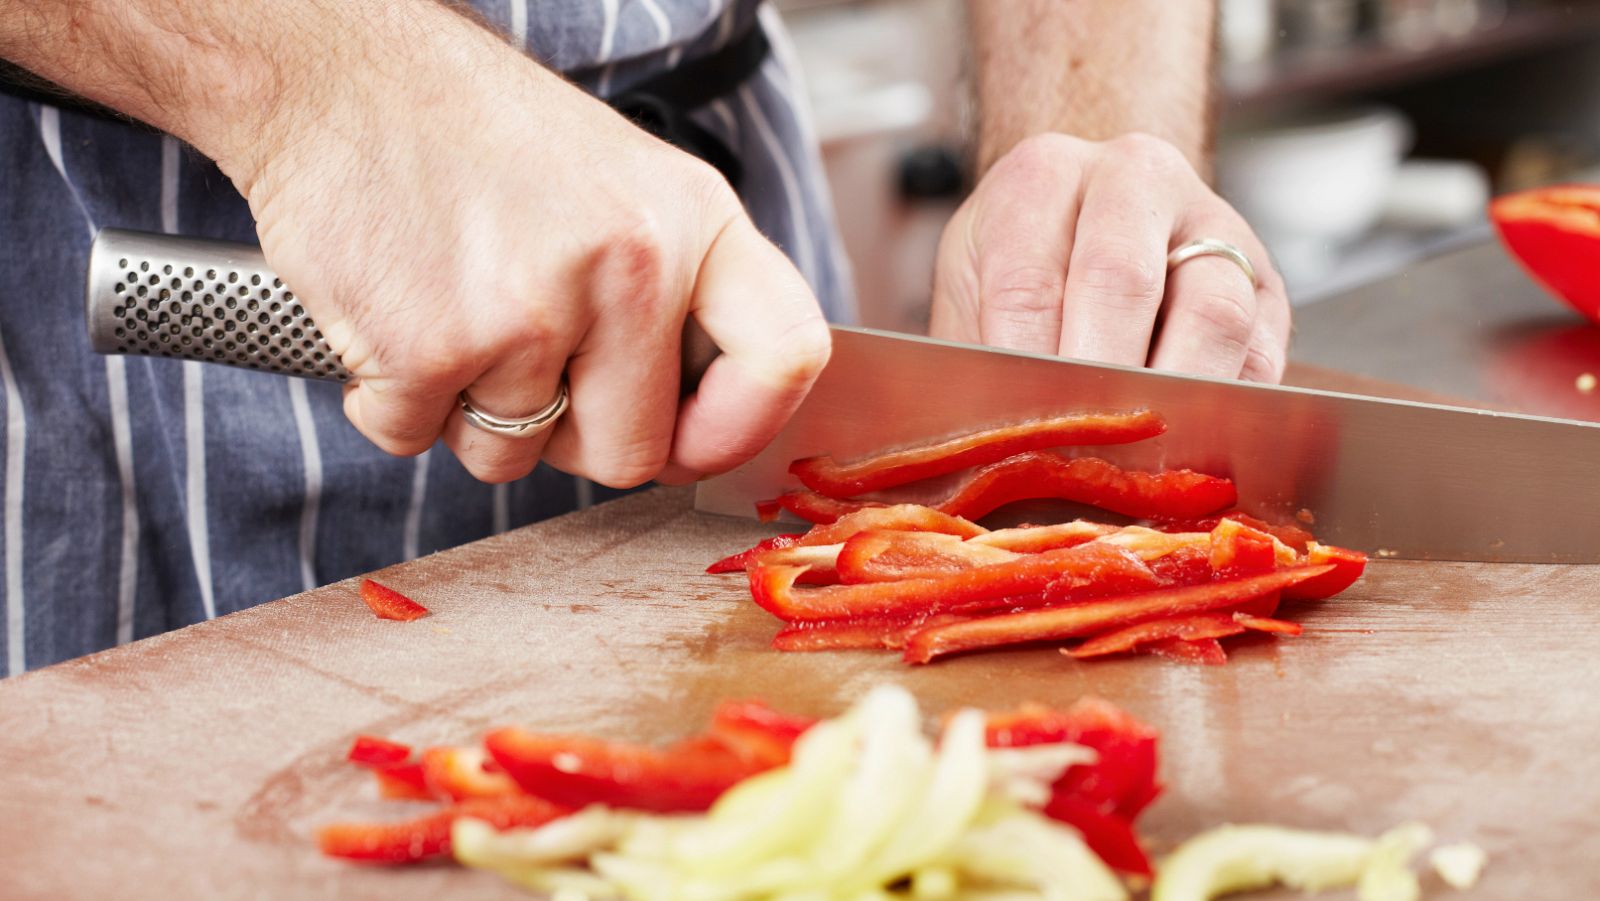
(139, 495)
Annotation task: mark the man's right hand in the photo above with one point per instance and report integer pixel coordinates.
(455, 217)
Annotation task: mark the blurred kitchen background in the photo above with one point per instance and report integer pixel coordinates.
(1358, 136)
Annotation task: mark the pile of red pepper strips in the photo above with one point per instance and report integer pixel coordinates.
(928, 581)
(525, 779)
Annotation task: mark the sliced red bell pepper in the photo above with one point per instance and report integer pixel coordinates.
(460, 773)
(1290, 534)
(390, 604)
(1267, 624)
(901, 517)
(403, 782)
(1184, 566)
(1239, 550)
(1032, 539)
(1121, 781)
(1190, 627)
(1038, 475)
(429, 836)
(773, 587)
(767, 511)
(1108, 835)
(578, 771)
(1055, 623)
(1201, 651)
(369, 750)
(886, 556)
(1555, 233)
(827, 477)
(736, 563)
(1347, 565)
(757, 733)
(864, 633)
(812, 507)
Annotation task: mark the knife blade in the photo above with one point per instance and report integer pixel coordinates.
(1393, 478)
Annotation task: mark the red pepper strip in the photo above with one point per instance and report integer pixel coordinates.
(1348, 566)
(812, 507)
(757, 733)
(865, 633)
(429, 836)
(1239, 550)
(1288, 533)
(1150, 545)
(1121, 781)
(1108, 835)
(369, 750)
(1188, 628)
(773, 587)
(577, 771)
(1184, 566)
(1089, 480)
(1555, 233)
(1267, 624)
(1264, 607)
(1201, 651)
(886, 556)
(820, 561)
(459, 773)
(390, 604)
(1032, 539)
(900, 517)
(1056, 623)
(824, 476)
(403, 782)
(736, 563)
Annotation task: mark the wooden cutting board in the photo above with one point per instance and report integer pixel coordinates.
(199, 764)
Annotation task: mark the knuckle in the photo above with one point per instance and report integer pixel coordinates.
(433, 363)
(1149, 152)
(1040, 156)
(630, 467)
(1119, 277)
(1226, 317)
(1263, 364)
(1025, 290)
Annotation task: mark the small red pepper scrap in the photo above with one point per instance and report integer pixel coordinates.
(1267, 624)
(390, 604)
(369, 750)
(461, 773)
(829, 478)
(403, 782)
(1347, 566)
(1193, 627)
(429, 836)
(1056, 623)
(1201, 651)
(758, 734)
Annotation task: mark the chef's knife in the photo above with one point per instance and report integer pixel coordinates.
(1394, 478)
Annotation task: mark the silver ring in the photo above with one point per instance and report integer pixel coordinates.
(523, 427)
(1211, 247)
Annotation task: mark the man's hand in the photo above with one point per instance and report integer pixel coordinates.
(1062, 250)
(457, 218)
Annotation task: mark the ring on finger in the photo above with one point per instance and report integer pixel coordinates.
(1211, 247)
(521, 427)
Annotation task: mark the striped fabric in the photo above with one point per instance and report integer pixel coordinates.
(140, 495)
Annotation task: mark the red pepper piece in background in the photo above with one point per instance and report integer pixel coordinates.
(390, 604)
(578, 771)
(1033, 539)
(899, 517)
(1122, 780)
(1036, 475)
(887, 556)
(1056, 623)
(773, 587)
(1268, 624)
(1188, 628)
(736, 563)
(1555, 233)
(369, 750)
(460, 773)
(757, 733)
(1201, 651)
(1347, 565)
(1109, 836)
(429, 836)
(403, 782)
(827, 477)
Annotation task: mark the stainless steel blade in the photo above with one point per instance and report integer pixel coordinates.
(1394, 478)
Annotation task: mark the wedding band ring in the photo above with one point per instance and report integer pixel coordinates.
(1211, 247)
(524, 427)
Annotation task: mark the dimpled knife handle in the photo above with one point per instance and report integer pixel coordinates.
(211, 301)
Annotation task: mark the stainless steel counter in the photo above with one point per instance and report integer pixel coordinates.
(1468, 324)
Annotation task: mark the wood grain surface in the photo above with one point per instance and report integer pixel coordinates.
(198, 764)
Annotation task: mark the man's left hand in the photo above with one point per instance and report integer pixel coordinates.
(1062, 249)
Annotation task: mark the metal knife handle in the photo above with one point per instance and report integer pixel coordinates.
(217, 302)
(212, 301)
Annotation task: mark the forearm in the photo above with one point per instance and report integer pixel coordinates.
(1092, 68)
(222, 75)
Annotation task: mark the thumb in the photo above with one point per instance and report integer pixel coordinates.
(753, 303)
